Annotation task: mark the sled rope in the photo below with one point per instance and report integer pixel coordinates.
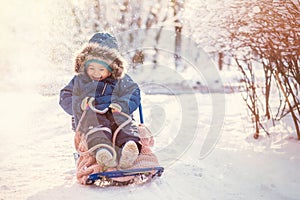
(82, 153)
(112, 149)
(90, 104)
(129, 119)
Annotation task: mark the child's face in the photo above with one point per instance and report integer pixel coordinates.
(97, 72)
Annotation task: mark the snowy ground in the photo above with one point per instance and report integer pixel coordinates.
(37, 145)
(36, 141)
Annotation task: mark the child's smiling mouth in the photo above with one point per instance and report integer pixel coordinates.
(97, 78)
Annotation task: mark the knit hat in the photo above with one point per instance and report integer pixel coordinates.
(105, 39)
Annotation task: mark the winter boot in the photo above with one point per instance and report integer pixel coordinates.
(105, 157)
(129, 154)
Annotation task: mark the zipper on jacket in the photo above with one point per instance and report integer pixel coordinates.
(104, 88)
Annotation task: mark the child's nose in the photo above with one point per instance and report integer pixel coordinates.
(97, 73)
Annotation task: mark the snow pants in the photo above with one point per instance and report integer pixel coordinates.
(100, 129)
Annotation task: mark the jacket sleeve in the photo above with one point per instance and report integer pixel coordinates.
(127, 95)
(65, 97)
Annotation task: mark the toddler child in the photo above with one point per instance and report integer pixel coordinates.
(101, 76)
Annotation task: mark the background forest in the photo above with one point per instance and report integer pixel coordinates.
(260, 39)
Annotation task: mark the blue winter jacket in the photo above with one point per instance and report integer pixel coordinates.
(124, 92)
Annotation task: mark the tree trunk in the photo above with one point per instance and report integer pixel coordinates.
(289, 104)
(268, 88)
(220, 60)
(178, 29)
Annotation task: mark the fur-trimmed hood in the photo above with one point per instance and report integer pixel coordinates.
(95, 51)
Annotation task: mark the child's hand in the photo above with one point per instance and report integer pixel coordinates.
(115, 107)
(84, 103)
